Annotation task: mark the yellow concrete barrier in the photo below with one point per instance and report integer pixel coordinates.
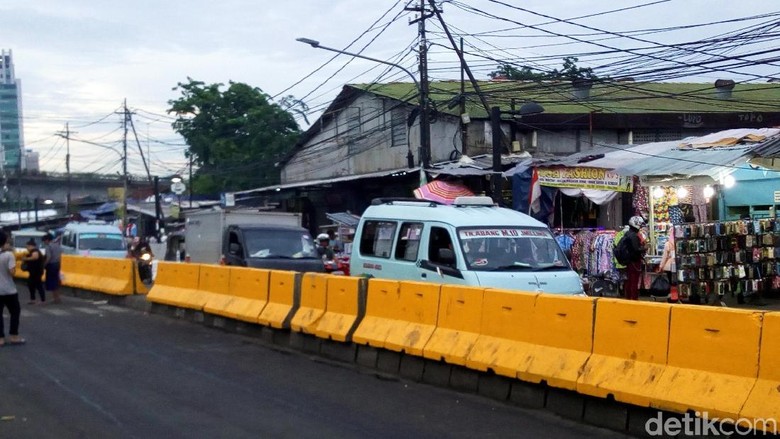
(505, 332)
(763, 405)
(382, 312)
(246, 297)
(418, 312)
(561, 340)
(457, 329)
(314, 288)
(629, 351)
(177, 285)
(105, 275)
(281, 304)
(712, 362)
(214, 284)
(342, 308)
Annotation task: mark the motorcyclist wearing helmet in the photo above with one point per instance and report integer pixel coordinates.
(323, 247)
(635, 252)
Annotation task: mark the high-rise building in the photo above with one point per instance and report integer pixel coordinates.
(30, 162)
(11, 132)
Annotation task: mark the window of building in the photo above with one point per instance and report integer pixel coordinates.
(398, 127)
(408, 241)
(377, 238)
(353, 120)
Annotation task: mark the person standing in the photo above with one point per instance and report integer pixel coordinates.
(9, 298)
(52, 266)
(35, 263)
(635, 252)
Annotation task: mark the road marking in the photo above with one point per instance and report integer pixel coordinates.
(56, 312)
(113, 308)
(87, 310)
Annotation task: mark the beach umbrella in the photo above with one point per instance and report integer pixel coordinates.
(442, 191)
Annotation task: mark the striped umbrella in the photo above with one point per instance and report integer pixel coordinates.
(442, 191)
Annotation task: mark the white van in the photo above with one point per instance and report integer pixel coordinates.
(471, 242)
(93, 239)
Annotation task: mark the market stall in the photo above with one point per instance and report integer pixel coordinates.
(677, 184)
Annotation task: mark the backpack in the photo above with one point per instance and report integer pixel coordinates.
(622, 251)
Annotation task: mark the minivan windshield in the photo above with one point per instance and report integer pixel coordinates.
(101, 241)
(511, 249)
(279, 244)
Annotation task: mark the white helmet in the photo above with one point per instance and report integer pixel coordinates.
(323, 237)
(636, 222)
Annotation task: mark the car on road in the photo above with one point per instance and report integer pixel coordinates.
(97, 239)
(471, 242)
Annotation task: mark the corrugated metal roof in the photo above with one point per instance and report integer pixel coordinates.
(345, 218)
(768, 149)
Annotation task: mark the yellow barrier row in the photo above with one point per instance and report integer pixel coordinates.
(674, 357)
(110, 276)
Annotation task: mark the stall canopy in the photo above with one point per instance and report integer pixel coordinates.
(708, 158)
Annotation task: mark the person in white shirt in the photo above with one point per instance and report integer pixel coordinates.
(9, 297)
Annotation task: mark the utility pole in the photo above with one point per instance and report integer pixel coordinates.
(66, 135)
(190, 185)
(425, 127)
(124, 168)
(464, 127)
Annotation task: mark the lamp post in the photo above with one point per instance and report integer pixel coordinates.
(425, 129)
(527, 109)
(178, 188)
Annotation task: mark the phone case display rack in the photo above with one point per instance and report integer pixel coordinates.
(729, 257)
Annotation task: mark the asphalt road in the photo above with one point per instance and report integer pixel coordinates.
(91, 370)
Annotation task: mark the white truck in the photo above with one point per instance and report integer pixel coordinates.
(251, 238)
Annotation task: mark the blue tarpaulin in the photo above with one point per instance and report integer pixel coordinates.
(521, 190)
(102, 211)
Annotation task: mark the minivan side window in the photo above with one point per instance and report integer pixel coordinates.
(377, 238)
(408, 241)
(440, 238)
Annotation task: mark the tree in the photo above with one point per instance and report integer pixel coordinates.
(570, 72)
(235, 135)
(507, 71)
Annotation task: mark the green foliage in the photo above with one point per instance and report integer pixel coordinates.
(236, 135)
(570, 72)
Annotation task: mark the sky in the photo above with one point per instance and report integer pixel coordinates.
(80, 59)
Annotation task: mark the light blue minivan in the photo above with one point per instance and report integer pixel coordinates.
(472, 242)
(96, 239)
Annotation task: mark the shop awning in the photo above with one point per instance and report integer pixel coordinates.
(279, 187)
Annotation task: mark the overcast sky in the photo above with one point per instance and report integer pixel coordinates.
(78, 59)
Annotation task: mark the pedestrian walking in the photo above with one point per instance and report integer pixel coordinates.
(9, 298)
(635, 253)
(53, 258)
(35, 263)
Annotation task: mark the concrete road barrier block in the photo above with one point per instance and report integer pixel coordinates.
(712, 362)
(344, 308)
(763, 403)
(382, 313)
(561, 340)
(314, 288)
(417, 312)
(457, 329)
(505, 332)
(282, 303)
(629, 351)
(177, 285)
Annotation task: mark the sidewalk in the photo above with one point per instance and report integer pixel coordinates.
(763, 304)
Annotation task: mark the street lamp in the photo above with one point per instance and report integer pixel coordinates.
(527, 109)
(425, 129)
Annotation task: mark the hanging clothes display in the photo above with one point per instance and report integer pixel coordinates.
(592, 253)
